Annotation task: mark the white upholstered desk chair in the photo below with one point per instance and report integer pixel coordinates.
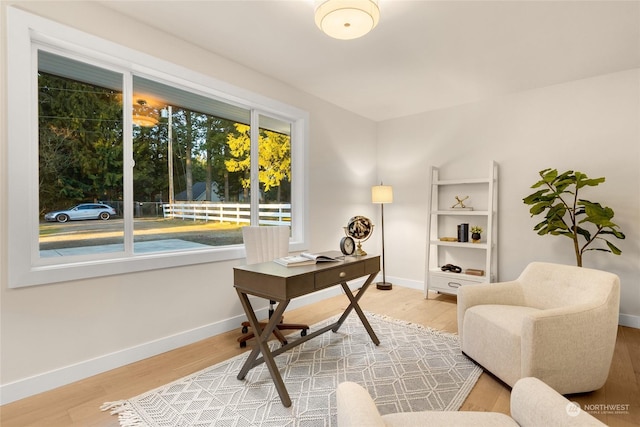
(262, 244)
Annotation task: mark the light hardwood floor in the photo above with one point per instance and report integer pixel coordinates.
(78, 404)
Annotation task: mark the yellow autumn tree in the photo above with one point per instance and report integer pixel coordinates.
(274, 157)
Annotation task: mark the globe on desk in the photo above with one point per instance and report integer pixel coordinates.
(359, 228)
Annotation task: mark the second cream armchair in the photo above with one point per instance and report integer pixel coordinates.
(554, 322)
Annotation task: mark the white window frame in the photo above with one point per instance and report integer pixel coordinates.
(25, 266)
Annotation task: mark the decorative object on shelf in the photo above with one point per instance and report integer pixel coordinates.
(475, 233)
(568, 217)
(347, 245)
(347, 19)
(452, 268)
(474, 272)
(359, 228)
(448, 239)
(382, 194)
(463, 233)
(459, 205)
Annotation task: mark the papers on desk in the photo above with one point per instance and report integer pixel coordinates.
(305, 258)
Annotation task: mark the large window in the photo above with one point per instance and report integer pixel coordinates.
(127, 170)
(80, 152)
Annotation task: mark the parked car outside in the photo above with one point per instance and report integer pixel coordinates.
(82, 211)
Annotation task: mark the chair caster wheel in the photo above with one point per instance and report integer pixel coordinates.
(303, 333)
(243, 344)
(245, 329)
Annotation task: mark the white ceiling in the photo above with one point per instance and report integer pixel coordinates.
(423, 55)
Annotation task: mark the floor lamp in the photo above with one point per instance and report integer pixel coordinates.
(382, 194)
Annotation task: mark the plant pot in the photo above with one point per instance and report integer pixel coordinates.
(475, 237)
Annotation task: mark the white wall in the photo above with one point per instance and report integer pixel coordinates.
(54, 334)
(590, 125)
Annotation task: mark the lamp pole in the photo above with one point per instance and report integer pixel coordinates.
(382, 194)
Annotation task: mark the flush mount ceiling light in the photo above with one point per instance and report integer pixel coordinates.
(347, 19)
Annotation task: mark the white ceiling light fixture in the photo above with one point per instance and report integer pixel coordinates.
(347, 19)
(144, 114)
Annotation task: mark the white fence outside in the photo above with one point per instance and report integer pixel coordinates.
(269, 214)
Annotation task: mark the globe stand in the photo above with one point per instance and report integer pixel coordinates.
(359, 250)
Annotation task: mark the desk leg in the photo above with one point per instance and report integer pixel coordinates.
(262, 336)
(354, 306)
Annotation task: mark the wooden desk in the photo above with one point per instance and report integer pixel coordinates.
(275, 282)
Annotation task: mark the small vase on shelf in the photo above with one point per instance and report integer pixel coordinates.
(475, 234)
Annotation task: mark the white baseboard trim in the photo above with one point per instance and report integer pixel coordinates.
(46, 381)
(629, 320)
(405, 283)
(52, 379)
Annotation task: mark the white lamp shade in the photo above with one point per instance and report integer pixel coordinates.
(382, 194)
(347, 19)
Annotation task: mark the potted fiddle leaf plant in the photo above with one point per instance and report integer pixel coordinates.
(588, 224)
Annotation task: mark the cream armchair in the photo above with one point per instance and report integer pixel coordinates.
(555, 322)
(533, 404)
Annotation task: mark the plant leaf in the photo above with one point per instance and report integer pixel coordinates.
(538, 184)
(613, 248)
(564, 180)
(549, 175)
(535, 197)
(596, 214)
(583, 180)
(614, 232)
(584, 233)
(539, 208)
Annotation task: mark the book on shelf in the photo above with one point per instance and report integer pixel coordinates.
(305, 258)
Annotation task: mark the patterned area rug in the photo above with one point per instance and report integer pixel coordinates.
(413, 369)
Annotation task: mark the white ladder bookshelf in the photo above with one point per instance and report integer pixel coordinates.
(442, 220)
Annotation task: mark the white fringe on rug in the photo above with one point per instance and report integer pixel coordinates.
(127, 416)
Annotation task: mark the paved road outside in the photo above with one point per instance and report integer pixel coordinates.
(74, 234)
